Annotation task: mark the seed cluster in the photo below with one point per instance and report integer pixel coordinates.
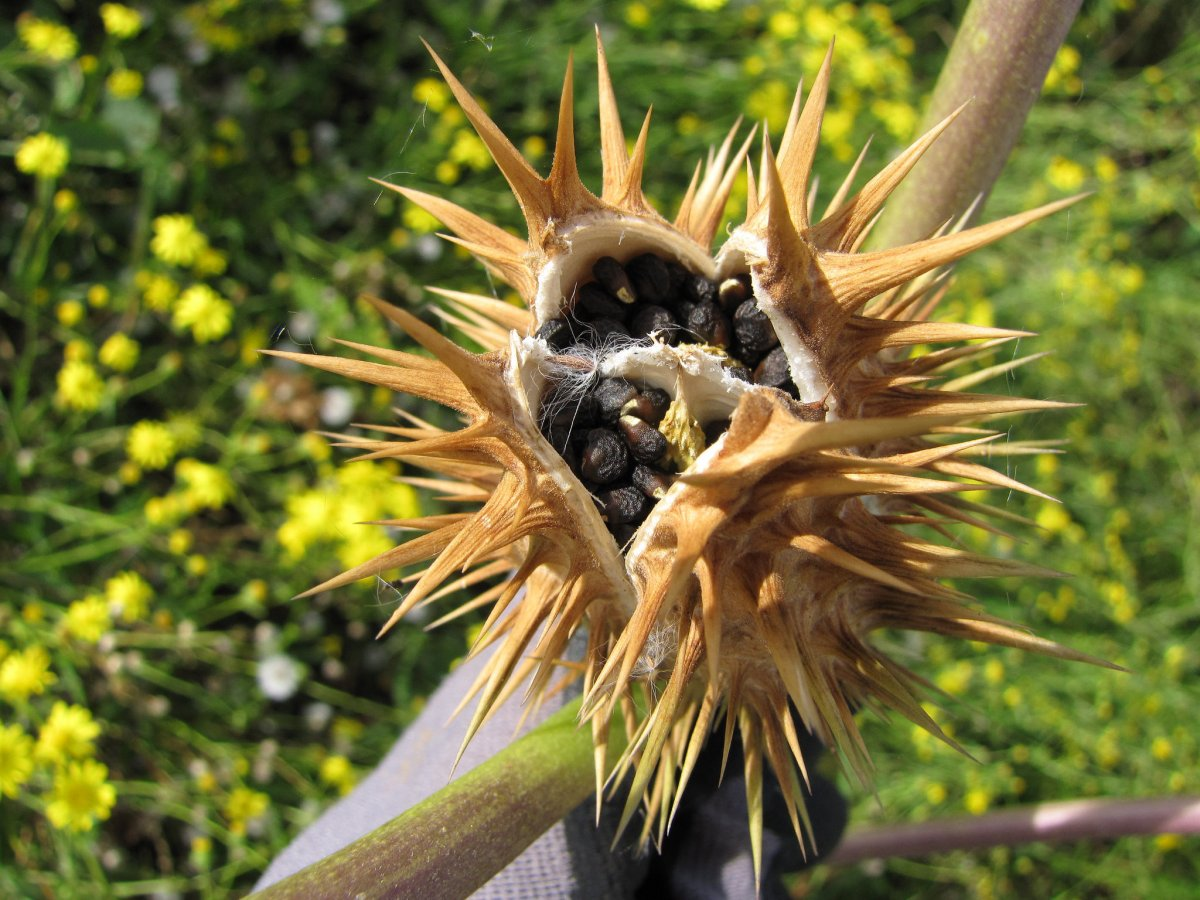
(609, 434)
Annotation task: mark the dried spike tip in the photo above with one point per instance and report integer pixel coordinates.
(690, 494)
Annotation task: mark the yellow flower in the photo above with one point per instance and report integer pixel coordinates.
(977, 801)
(150, 444)
(65, 201)
(119, 352)
(119, 20)
(69, 312)
(47, 39)
(204, 311)
(68, 733)
(87, 619)
(432, 93)
(179, 541)
(1066, 174)
(211, 261)
(80, 386)
(16, 759)
(186, 429)
(207, 486)
(176, 240)
(81, 795)
(128, 596)
(244, 806)
(98, 296)
(159, 291)
(337, 772)
(25, 673)
(124, 83)
(43, 155)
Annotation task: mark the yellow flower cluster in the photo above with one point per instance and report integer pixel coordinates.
(128, 595)
(119, 352)
(68, 733)
(244, 806)
(124, 83)
(81, 794)
(43, 155)
(47, 39)
(362, 492)
(205, 486)
(150, 444)
(87, 619)
(120, 21)
(25, 673)
(337, 772)
(176, 240)
(204, 311)
(16, 759)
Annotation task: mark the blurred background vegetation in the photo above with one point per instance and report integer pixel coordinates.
(184, 184)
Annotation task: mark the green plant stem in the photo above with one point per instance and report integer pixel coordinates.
(998, 62)
(1070, 820)
(453, 842)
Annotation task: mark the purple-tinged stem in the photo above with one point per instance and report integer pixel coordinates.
(1071, 820)
(999, 60)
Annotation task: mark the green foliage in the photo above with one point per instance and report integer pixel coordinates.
(161, 502)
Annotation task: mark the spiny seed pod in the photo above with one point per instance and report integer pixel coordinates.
(787, 520)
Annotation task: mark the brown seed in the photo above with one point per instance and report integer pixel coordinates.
(645, 441)
(650, 405)
(614, 279)
(734, 292)
(651, 482)
(624, 505)
(604, 458)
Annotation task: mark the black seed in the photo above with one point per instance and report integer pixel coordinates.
(624, 505)
(754, 331)
(560, 439)
(604, 458)
(645, 442)
(734, 292)
(714, 430)
(594, 302)
(651, 319)
(650, 278)
(557, 333)
(773, 370)
(739, 371)
(572, 412)
(650, 405)
(699, 289)
(611, 394)
(600, 330)
(679, 278)
(651, 482)
(613, 278)
(709, 324)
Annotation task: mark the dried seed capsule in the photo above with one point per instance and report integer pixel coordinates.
(611, 394)
(594, 302)
(650, 405)
(734, 292)
(699, 289)
(754, 331)
(604, 458)
(773, 370)
(645, 441)
(557, 333)
(651, 482)
(613, 278)
(624, 505)
(652, 319)
(709, 324)
(650, 278)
